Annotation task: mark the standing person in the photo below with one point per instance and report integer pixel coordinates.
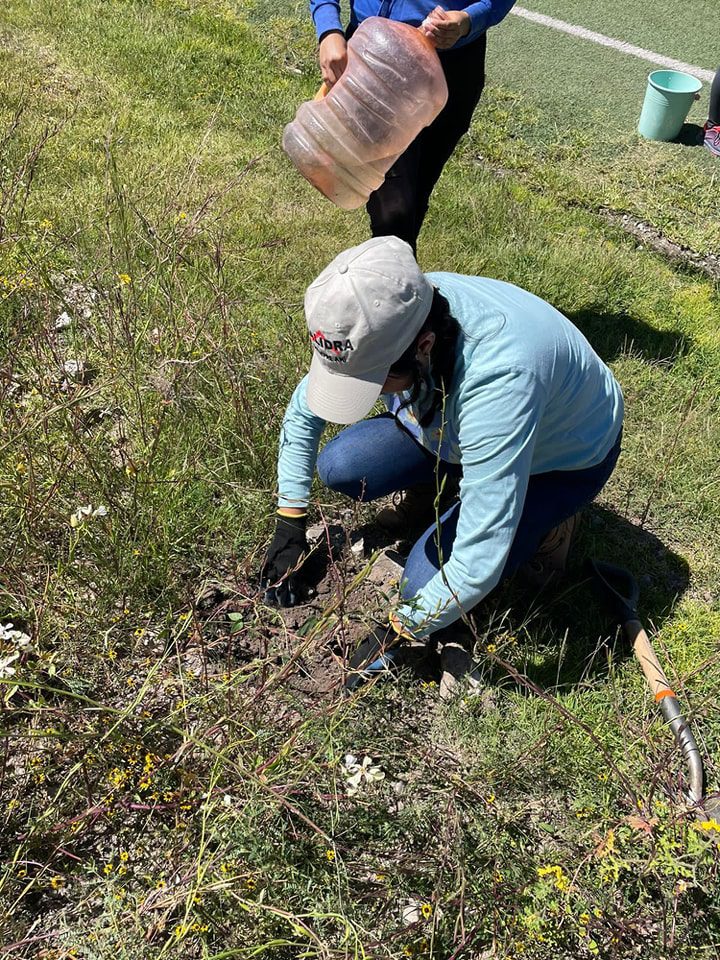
(483, 382)
(399, 206)
(711, 137)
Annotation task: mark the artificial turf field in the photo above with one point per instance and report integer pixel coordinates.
(685, 32)
(578, 81)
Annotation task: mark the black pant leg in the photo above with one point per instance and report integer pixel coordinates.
(398, 207)
(714, 110)
(393, 206)
(465, 75)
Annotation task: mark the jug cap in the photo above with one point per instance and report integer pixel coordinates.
(363, 312)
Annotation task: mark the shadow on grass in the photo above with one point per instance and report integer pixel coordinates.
(565, 635)
(615, 334)
(691, 135)
(570, 633)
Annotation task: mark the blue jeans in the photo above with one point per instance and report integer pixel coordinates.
(376, 457)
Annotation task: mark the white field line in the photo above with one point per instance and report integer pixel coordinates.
(649, 55)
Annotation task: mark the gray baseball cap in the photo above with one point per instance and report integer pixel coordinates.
(363, 312)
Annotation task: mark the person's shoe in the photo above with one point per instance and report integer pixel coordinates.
(711, 139)
(550, 559)
(413, 510)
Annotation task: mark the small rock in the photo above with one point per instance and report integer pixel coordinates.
(385, 572)
(77, 371)
(212, 595)
(63, 321)
(74, 369)
(358, 548)
(457, 671)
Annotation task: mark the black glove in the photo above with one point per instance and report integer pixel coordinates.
(279, 575)
(378, 653)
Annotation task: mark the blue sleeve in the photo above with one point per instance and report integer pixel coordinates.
(498, 426)
(326, 16)
(299, 440)
(485, 14)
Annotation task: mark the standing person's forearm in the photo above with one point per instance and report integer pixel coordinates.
(326, 16)
(487, 13)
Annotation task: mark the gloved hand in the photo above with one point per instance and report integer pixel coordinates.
(279, 576)
(378, 653)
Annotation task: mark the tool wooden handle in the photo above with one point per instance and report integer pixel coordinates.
(322, 92)
(654, 673)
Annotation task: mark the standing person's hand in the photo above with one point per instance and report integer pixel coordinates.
(332, 54)
(446, 27)
(279, 576)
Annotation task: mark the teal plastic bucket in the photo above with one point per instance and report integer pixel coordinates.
(668, 99)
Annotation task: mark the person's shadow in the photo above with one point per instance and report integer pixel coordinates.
(615, 334)
(569, 634)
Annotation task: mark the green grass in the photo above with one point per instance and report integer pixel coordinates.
(166, 796)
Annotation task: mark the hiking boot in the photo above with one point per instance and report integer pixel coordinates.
(711, 139)
(413, 510)
(550, 559)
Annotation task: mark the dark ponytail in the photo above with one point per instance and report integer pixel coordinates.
(442, 357)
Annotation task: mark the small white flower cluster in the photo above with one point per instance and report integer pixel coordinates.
(22, 642)
(359, 773)
(8, 634)
(86, 513)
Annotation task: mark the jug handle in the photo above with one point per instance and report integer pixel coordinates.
(322, 92)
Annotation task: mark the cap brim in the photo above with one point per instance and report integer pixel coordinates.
(341, 399)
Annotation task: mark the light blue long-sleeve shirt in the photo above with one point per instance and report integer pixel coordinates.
(483, 13)
(529, 395)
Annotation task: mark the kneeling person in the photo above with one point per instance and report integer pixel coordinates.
(484, 383)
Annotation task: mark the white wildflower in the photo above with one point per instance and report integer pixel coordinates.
(5, 669)
(80, 515)
(410, 913)
(21, 640)
(358, 773)
(87, 512)
(63, 321)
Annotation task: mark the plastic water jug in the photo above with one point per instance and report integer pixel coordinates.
(392, 87)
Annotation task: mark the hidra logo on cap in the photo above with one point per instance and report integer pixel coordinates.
(336, 351)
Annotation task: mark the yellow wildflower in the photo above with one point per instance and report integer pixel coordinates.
(560, 880)
(124, 278)
(709, 826)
